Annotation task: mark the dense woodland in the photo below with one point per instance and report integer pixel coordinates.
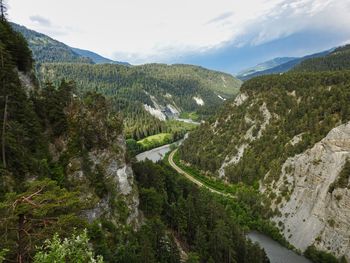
(339, 59)
(127, 85)
(310, 104)
(51, 125)
(44, 129)
(131, 87)
(204, 225)
(303, 106)
(46, 49)
(290, 65)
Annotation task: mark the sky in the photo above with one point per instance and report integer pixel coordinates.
(226, 35)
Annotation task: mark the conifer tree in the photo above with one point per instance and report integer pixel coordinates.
(3, 10)
(28, 218)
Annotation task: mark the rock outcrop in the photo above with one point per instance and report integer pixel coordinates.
(95, 149)
(249, 136)
(311, 213)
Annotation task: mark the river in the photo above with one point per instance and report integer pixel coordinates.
(275, 251)
(155, 154)
(158, 154)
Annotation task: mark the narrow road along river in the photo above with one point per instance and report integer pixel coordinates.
(275, 252)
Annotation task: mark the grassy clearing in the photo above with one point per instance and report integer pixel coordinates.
(155, 140)
(190, 115)
(175, 130)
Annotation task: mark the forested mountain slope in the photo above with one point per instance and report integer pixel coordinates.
(146, 95)
(46, 49)
(339, 59)
(64, 169)
(252, 71)
(63, 160)
(96, 58)
(286, 133)
(149, 94)
(283, 67)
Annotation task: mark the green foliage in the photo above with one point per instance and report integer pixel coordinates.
(3, 254)
(178, 129)
(175, 80)
(193, 258)
(249, 206)
(206, 224)
(54, 100)
(339, 59)
(190, 115)
(46, 49)
(130, 88)
(133, 147)
(23, 137)
(92, 123)
(16, 45)
(173, 131)
(342, 180)
(28, 218)
(151, 201)
(151, 243)
(320, 256)
(154, 141)
(307, 104)
(73, 249)
(208, 181)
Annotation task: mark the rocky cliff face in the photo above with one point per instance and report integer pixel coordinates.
(312, 211)
(96, 165)
(290, 132)
(119, 201)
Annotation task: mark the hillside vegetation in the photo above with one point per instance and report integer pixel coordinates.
(282, 67)
(146, 95)
(306, 104)
(166, 90)
(67, 191)
(339, 59)
(46, 49)
(288, 137)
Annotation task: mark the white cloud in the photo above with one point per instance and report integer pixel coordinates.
(157, 30)
(40, 20)
(221, 18)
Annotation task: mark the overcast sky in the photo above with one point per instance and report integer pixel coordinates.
(206, 32)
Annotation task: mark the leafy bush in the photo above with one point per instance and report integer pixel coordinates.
(73, 249)
(318, 256)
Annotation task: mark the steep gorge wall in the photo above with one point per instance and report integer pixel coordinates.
(94, 150)
(311, 211)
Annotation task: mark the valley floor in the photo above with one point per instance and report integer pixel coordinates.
(275, 251)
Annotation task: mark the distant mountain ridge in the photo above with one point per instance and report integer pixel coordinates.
(280, 68)
(146, 95)
(96, 58)
(47, 49)
(149, 95)
(264, 66)
(288, 135)
(339, 59)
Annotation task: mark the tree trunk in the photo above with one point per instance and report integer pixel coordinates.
(20, 239)
(3, 134)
